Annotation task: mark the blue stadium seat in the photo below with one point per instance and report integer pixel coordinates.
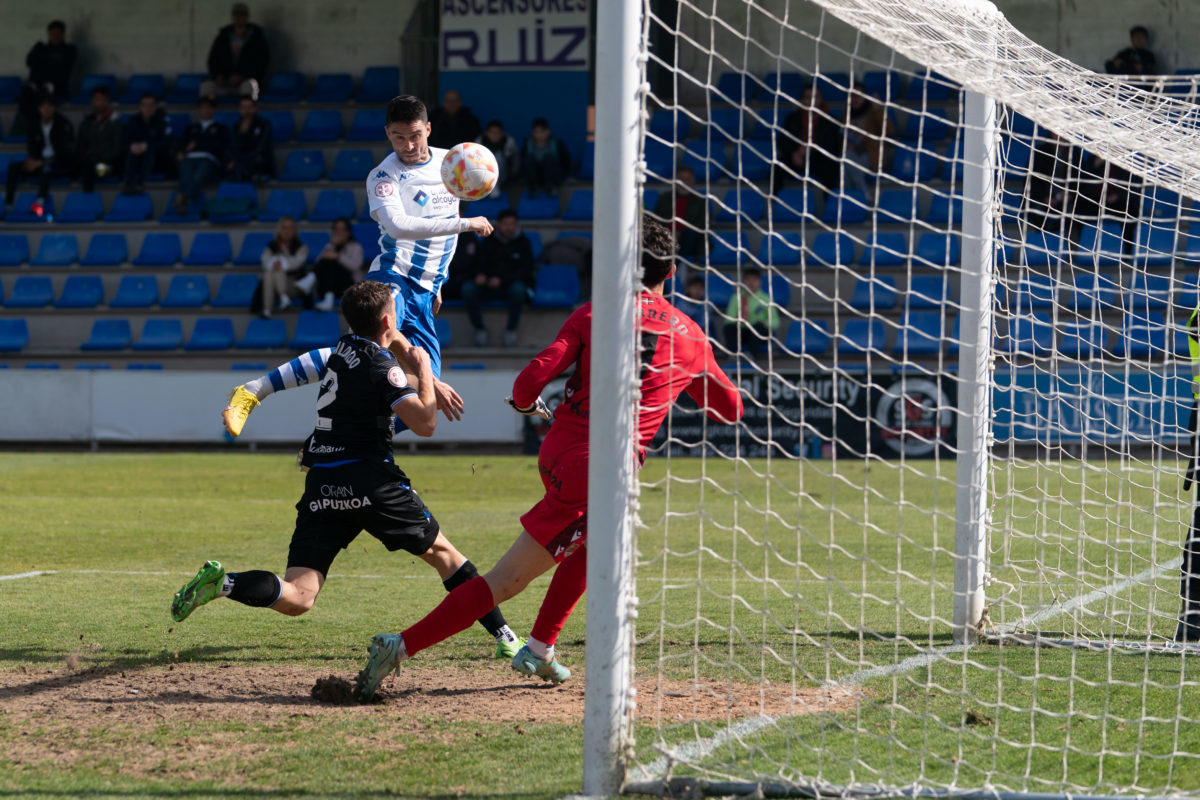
(135, 291)
(321, 125)
(81, 207)
(1142, 336)
(1081, 339)
(159, 250)
(81, 291)
(912, 165)
(847, 208)
(14, 335)
(649, 199)
(1093, 292)
(14, 249)
(747, 204)
(143, 83)
(303, 166)
(896, 207)
(579, 206)
(187, 88)
(920, 333)
(794, 205)
(316, 329)
(779, 289)
(926, 126)
(707, 159)
(728, 124)
(367, 234)
(833, 86)
(22, 209)
(263, 334)
(331, 204)
(249, 366)
(930, 87)
(1042, 249)
(535, 243)
(534, 207)
(186, 291)
(10, 89)
(1014, 155)
(1154, 245)
(316, 241)
(669, 124)
(728, 248)
(366, 126)
(945, 210)
(1148, 293)
(1031, 334)
(172, 217)
(735, 88)
(874, 294)
(145, 366)
(781, 249)
(333, 87)
(241, 195)
(108, 334)
(939, 249)
(557, 286)
(1100, 247)
(441, 327)
(105, 250)
(719, 288)
(809, 337)
(489, 207)
(788, 84)
(882, 84)
(90, 82)
(250, 252)
(177, 121)
(953, 166)
(862, 335)
(211, 333)
(1162, 203)
(130, 208)
(283, 125)
(30, 291)
(160, 333)
(587, 164)
(284, 87)
(753, 159)
(56, 250)
(927, 291)
(885, 250)
(93, 365)
(284, 203)
(379, 85)
(352, 165)
(209, 249)
(235, 291)
(660, 159)
(1036, 292)
(832, 249)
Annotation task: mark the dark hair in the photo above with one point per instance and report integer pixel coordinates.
(494, 122)
(346, 222)
(363, 306)
(1136, 29)
(249, 97)
(752, 272)
(505, 214)
(406, 108)
(204, 98)
(57, 25)
(151, 95)
(46, 97)
(540, 122)
(102, 89)
(658, 252)
(692, 281)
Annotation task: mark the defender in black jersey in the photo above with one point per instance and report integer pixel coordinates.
(353, 483)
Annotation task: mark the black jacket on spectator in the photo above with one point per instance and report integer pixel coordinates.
(214, 141)
(101, 139)
(62, 139)
(510, 261)
(156, 132)
(251, 62)
(251, 151)
(1133, 61)
(52, 64)
(451, 129)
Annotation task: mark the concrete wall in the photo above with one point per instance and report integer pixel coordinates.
(172, 36)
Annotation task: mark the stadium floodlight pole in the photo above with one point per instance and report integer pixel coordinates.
(974, 365)
(608, 693)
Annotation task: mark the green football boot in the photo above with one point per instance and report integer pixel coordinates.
(198, 591)
(508, 650)
(526, 663)
(383, 656)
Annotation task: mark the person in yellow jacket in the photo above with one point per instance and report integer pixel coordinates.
(752, 315)
(1188, 629)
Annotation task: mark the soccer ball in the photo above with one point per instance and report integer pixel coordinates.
(469, 171)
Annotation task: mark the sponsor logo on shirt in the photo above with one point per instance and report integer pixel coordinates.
(421, 198)
(323, 449)
(380, 175)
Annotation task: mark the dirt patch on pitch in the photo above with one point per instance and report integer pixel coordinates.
(488, 692)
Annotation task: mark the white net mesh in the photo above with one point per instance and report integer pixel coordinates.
(796, 571)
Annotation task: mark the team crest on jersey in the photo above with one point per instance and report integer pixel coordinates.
(384, 190)
(421, 198)
(396, 378)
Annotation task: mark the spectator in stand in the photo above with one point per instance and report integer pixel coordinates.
(545, 161)
(338, 267)
(751, 315)
(251, 152)
(506, 151)
(1108, 193)
(693, 301)
(503, 271)
(1135, 59)
(685, 211)
(50, 65)
(283, 259)
(101, 135)
(49, 148)
(201, 148)
(147, 144)
(462, 266)
(238, 58)
(1051, 197)
(809, 144)
(867, 128)
(453, 123)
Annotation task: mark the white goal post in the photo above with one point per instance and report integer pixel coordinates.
(952, 273)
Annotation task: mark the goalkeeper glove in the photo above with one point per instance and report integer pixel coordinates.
(538, 409)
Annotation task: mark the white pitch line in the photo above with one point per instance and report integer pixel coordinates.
(33, 574)
(691, 752)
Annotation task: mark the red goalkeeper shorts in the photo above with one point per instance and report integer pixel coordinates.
(559, 521)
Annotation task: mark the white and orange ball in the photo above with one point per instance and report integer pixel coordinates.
(469, 171)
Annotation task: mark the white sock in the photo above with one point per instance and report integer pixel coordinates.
(226, 587)
(505, 634)
(259, 387)
(540, 649)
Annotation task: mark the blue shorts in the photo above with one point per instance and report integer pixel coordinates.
(414, 314)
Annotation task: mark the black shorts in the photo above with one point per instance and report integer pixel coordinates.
(339, 502)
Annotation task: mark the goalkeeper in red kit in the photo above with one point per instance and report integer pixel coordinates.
(675, 357)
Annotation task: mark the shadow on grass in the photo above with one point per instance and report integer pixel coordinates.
(222, 792)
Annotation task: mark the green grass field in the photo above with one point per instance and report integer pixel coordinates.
(785, 575)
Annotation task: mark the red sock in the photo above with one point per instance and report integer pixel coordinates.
(457, 612)
(566, 587)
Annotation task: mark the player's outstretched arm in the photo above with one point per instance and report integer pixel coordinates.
(554, 360)
(300, 370)
(419, 411)
(715, 393)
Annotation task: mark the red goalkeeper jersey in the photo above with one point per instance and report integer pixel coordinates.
(675, 357)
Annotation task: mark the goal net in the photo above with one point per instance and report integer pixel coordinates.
(953, 275)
